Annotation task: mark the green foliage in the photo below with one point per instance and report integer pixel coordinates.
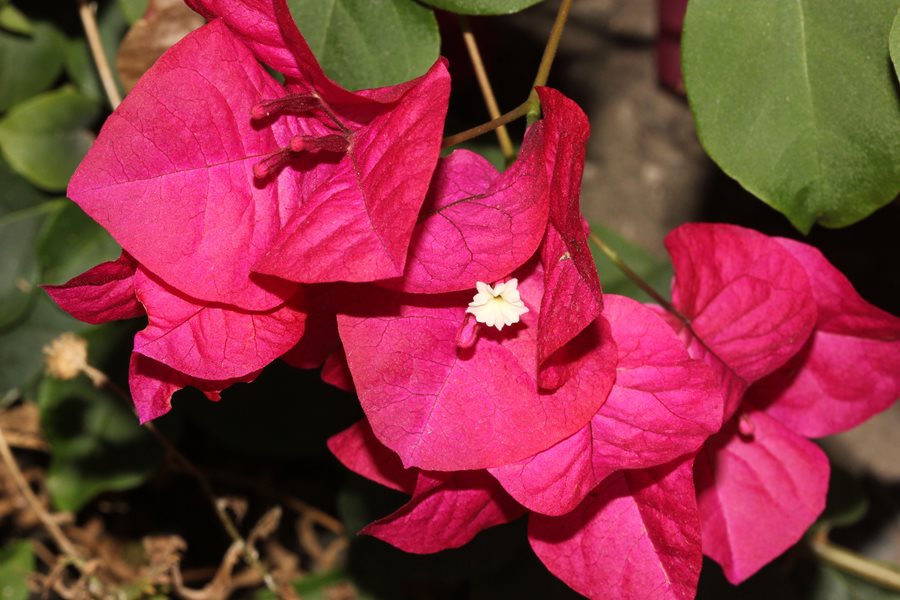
(655, 271)
(369, 43)
(16, 564)
(895, 44)
(793, 100)
(831, 584)
(132, 10)
(22, 211)
(29, 62)
(112, 22)
(12, 19)
(482, 7)
(847, 502)
(71, 242)
(45, 137)
(98, 445)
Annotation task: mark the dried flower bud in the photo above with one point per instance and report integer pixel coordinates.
(66, 356)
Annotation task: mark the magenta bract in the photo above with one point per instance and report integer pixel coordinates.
(205, 174)
(444, 407)
(101, 294)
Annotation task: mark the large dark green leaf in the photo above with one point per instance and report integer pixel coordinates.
(21, 343)
(795, 100)
(655, 271)
(22, 210)
(70, 243)
(29, 63)
(97, 443)
(16, 564)
(369, 43)
(46, 137)
(895, 44)
(482, 7)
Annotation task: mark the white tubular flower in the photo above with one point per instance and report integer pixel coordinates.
(497, 306)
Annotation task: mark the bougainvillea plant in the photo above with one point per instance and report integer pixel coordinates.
(265, 214)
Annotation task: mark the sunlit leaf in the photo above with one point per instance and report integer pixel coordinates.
(369, 43)
(482, 7)
(794, 100)
(45, 138)
(29, 63)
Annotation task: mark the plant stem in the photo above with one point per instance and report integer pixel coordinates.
(487, 91)
(531, 105)
(637, 279)
(543, 73)
(52, 527)
(468, 134)
(228, 524)
(850, 562)
(87, 12)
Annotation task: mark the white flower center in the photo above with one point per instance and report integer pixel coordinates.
(497, 306)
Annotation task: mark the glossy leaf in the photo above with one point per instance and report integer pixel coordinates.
(21, 343)
(369, 43)
(70, 243)
(22, 211)
(45, 138)
(16, 565)
(29, 63)
(775, 91)
(895, 44)
(482, 7)
(98, 445)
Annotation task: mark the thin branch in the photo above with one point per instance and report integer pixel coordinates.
(620, 264)
(531, 105)
(88, 14)
(845, 560)
(52, 527)
(468, 134)
(249, 552)
(543, 73)
(487, 91)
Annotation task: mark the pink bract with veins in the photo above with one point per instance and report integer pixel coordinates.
(215, 177)
(772, 316)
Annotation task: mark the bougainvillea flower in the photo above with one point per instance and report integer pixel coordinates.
(446, 405)
(774, 311)
(211, 169)
(187, 341)
(663, 405)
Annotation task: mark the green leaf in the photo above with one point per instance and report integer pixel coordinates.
(482, 7)
(13, 20)
(794, 100)
(98, 444)
(29, 64)
(132, 10)
(21, 343)
(831, 584)
(895, 44)
(70, 243)
(655, 271)
(16, 564)
(45, 138)
(22, 211)
(369, 43)
(112, 23)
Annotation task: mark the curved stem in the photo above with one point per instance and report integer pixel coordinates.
(613, 256)
(468, 134)
(543, 73)
(845, 560)
(250, 554)
(52, 527)
(87, 12)
(487, 91)
(530, 106)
